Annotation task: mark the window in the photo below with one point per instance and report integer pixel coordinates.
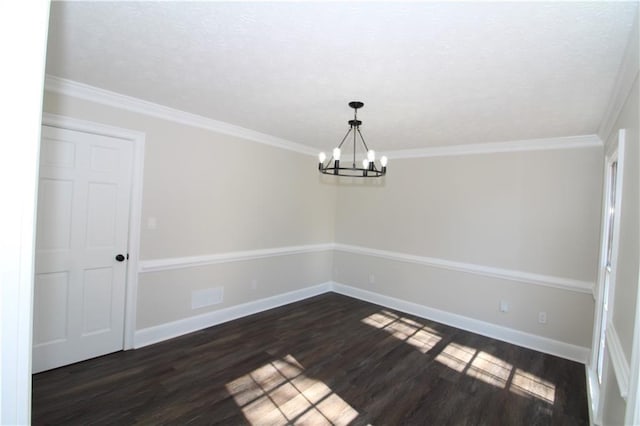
(607, 267)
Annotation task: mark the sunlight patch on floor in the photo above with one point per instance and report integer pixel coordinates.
(528, 384)
(490, 369)
(412, 332)
(280, 393)
(464, 359)
(380, 319)
(495, 371)
(456, 356)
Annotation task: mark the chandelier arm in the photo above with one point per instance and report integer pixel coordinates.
(362, 139)
(372, 164)
(357, 126)
(339, 146)
(345, 137)
(354, 144)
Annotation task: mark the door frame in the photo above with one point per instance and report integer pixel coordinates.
(137, 139)
(614, 152)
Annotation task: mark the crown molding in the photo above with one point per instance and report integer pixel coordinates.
(565, 142)
(129, 103)
(105, 97)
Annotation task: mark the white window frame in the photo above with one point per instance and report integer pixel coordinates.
(616, 154)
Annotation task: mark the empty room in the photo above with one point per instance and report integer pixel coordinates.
(368, 213)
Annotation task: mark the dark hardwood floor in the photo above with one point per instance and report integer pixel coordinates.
(325, 360)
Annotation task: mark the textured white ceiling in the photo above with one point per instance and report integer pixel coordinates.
(430, 74)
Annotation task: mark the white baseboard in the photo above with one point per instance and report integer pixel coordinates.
(155, 334)
(505, 334)
(158, 333)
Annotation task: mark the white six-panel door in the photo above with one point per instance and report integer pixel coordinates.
(82, 225)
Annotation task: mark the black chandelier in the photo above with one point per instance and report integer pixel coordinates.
(368, 169)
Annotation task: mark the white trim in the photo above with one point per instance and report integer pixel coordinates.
(627, 75)
(155, 265)
(597, 397)
(151, 335)
(618, 360)
(509, 335)
(117, 100)
(180, 327)
(71, 123)
(568, 142)
(135, 214)
(598, 290)
(129, 103)
(489, 271)
(593, 394)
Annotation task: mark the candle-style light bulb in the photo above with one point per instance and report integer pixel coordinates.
(383, 161)
(371, 155)
(336, 163)
(321, 157)
(365, 164)
(336, 154)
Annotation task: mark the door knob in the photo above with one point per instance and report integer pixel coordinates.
(120, 257)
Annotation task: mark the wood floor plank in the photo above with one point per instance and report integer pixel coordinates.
(330, 359)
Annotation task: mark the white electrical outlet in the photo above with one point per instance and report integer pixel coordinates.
(542, 317)
(504, 306)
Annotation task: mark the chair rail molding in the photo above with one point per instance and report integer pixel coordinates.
(166, 264)
(489, 271)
